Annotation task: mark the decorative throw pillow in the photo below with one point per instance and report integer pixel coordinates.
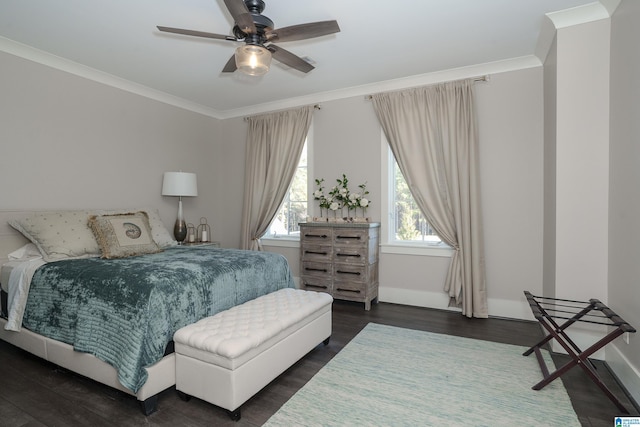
(159, 232)
(59, 234)
(123, 235)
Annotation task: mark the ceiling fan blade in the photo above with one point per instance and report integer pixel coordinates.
(303, 31)
(288, 58)
(241, 15)
(196, 33)
(230, 66)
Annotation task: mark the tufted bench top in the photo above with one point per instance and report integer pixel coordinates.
(231, 337)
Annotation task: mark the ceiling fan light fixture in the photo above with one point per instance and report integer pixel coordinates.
(253, 60)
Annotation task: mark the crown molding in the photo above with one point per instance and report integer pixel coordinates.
(596, 11)
(56, 62)
(496, 67)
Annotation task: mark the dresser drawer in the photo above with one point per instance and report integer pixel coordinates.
(316, 235)
(322, 270)
(310, 283)
(317, 253)
(343, 273)
(350, 291)
(350, 255)
(350, 237)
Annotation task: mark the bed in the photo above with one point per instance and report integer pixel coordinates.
(113, 320)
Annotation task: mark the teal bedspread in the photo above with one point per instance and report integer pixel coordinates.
(125, 311)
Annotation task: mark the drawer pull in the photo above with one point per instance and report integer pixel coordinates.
(353, 255)
(309, 285)
(356, 273)
(320, 236)
(355, 291)
(324, 270)
(315, 252)
(348, 237)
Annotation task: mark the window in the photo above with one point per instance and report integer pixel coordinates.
(404, 229)
(294, 205)
(408, 223)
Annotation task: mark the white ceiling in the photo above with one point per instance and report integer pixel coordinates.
(380, 41)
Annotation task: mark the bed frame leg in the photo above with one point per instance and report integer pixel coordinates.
(150, 405)
(183, 396)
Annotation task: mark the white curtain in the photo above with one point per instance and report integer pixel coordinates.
(274, 144)
(432, 133)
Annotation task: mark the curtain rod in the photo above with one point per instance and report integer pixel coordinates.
(484, 78)
(315, 107)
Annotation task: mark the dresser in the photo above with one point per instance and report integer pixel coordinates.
(340, 259)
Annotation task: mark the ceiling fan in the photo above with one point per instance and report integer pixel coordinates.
(259, 35)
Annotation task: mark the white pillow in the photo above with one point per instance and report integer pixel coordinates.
(59, 234)
(159, 232)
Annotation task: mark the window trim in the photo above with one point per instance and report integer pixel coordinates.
(281, 242)
(387, 245)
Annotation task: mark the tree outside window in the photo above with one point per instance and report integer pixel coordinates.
(409, 224)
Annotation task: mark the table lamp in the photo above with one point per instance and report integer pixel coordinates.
(180, 184)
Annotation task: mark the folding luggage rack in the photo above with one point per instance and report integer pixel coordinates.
(581, 311)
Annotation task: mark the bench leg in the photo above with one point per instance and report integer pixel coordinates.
(326, 341)
(150, 405)
(234, 415)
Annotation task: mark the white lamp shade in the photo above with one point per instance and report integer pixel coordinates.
(179, 184)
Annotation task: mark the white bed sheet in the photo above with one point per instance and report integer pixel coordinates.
(22, 265)
(5, 271)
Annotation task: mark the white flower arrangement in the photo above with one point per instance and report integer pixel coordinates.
(341, 197)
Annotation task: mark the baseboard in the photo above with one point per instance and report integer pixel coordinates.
(627, 374)
(414, 298)
(497, 307)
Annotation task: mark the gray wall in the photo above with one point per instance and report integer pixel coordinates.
(624, 201)
(68, 142)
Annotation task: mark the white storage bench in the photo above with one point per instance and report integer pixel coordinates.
(227, 358)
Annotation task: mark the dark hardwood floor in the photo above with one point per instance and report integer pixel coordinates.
(37, 393)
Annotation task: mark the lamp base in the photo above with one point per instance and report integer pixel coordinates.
(180, 231)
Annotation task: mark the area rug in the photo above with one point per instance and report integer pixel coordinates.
(390, 376)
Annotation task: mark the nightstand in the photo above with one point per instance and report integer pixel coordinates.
(201, 245)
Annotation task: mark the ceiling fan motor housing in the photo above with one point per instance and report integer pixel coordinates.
(255, 6)
(261, 22)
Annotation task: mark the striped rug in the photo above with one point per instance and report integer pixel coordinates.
(389, 376)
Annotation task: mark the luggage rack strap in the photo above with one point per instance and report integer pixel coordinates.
(539, 308)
